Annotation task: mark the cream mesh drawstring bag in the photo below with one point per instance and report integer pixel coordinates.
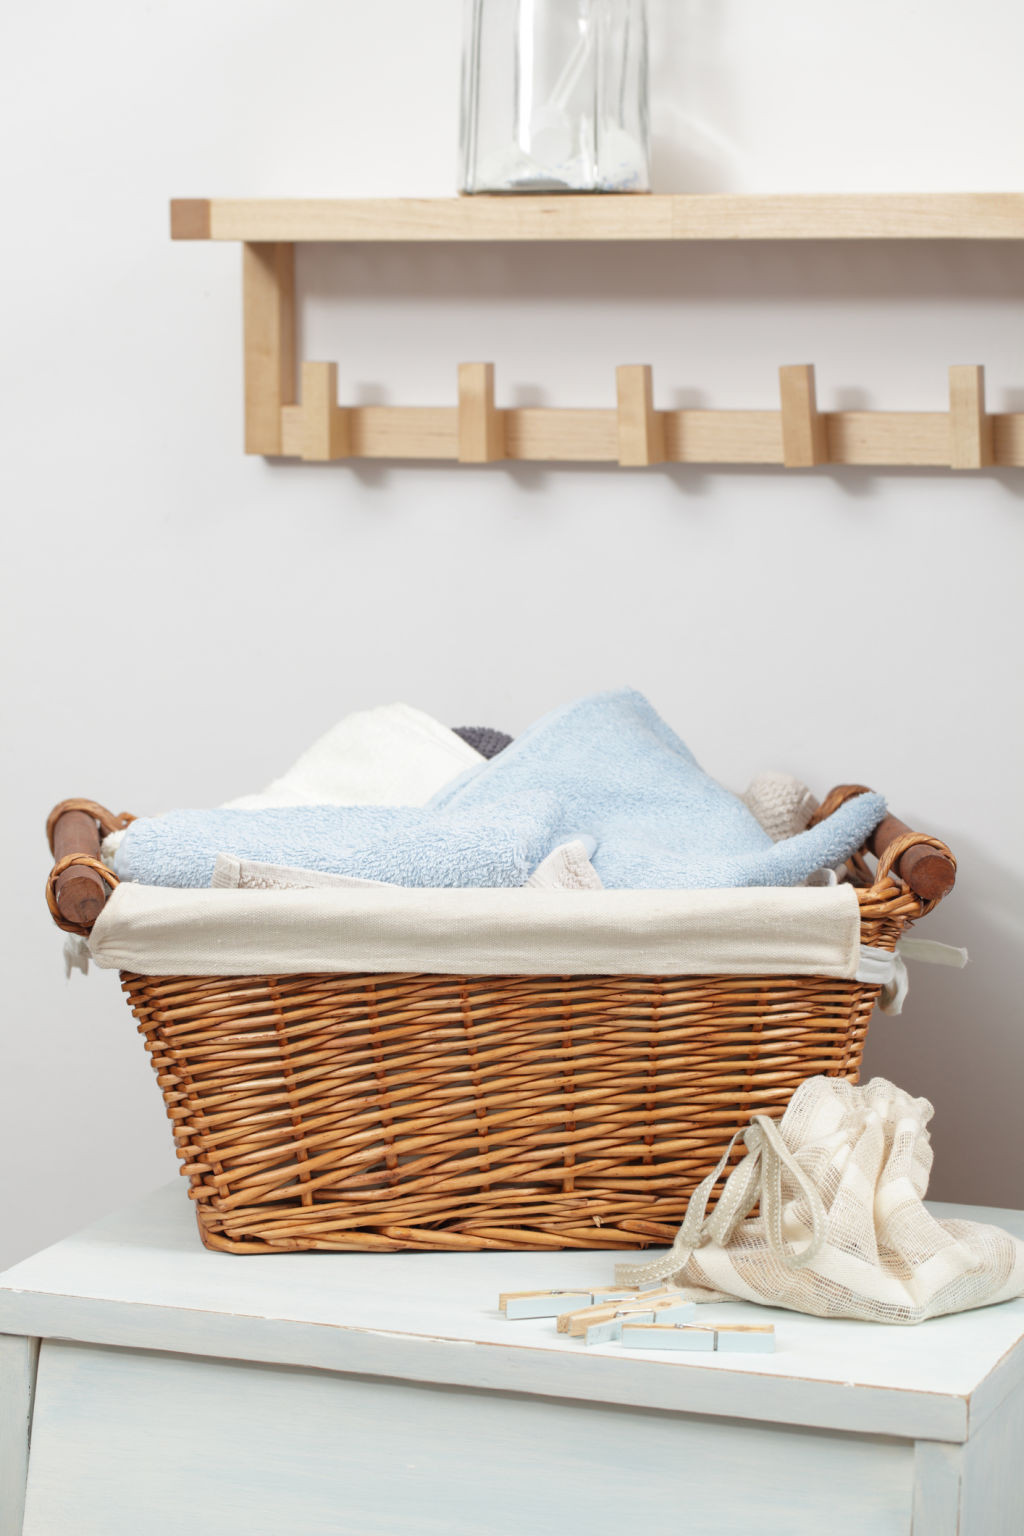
(842, 1230)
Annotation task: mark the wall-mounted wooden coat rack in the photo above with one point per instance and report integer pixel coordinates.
(634, 433)
(306, 421)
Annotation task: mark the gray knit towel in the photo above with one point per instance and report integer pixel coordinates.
(482, 739)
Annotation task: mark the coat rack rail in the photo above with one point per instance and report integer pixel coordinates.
(284, 418)
(635, 434)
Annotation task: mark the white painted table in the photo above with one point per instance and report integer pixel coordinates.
(170, 1390)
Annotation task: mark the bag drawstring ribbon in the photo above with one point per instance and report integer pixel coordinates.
(757, 1178)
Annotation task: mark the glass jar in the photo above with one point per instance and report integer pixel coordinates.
(554, 96)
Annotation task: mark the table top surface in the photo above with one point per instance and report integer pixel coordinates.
(141, 1279)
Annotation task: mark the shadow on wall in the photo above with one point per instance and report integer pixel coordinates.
(975, 1015)
(858, 486)
(906, 274)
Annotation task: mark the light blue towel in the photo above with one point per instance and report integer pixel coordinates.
(619, 773)
(606, 766)
(398, 845)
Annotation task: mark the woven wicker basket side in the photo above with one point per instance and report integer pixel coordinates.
(439, 1112)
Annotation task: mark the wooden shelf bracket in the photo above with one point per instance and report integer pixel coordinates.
(268, 300)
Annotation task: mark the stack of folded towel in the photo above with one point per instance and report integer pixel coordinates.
(601, 792)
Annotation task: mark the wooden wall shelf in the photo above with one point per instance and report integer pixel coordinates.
(603, 216)
(308, 423)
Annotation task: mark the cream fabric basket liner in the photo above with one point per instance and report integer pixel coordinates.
(803, 931)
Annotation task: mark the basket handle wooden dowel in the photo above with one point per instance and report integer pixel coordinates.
(77, 892)
(926, 865)
(929, 871)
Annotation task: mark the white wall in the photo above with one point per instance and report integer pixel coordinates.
(180, 621)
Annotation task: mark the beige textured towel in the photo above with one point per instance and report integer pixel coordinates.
(781, 804)
(565, 869)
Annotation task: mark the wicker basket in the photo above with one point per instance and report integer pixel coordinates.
(377, 1112)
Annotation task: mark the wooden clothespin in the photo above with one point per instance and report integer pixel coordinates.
(523, 1304)
(610, 1332)
(576, 1323)
(661, 1335)
(736, 1338)
(746, 1338)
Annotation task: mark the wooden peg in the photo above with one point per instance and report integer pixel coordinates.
(970, 429)
(324, 424)
(804, 437)
(641, 428)
(481, 427)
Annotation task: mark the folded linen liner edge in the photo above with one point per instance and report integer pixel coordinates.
(744, 931)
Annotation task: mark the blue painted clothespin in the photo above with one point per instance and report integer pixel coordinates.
(523, 1304)
(658, 1333)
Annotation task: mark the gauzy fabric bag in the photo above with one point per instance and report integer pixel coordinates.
(842, 1229)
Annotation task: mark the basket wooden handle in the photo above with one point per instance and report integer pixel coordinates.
(924, 863)
(78, 885)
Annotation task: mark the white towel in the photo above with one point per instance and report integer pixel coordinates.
(392, 755)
